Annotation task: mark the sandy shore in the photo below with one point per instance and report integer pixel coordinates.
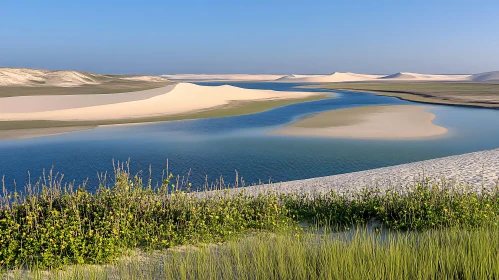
(35, 104)
(38, 132)
(368, 122)
(171, 100)
(478, 170)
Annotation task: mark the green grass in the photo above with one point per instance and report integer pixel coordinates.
(108, 87)
(433, 254)
(471, 94)
(233, 109)
(424, 230)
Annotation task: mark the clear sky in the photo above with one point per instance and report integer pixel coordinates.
(238, 36)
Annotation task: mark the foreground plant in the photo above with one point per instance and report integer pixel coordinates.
(56, 226)
(450, 253)
(419, 206)
(50, 226)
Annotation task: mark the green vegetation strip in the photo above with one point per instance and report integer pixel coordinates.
(433, 254)
(50, 226)
(468, 94)
(232, 109)
(109, 87)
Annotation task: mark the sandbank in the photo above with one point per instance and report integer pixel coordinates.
(181, 98)
(37, 132)
(368, 122)
(472, 94)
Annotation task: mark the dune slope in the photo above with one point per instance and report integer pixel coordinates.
(486, 77)
(403, 76)
(332, 78)
(368, 122)
(171, 100)
(221, 77)
(26, 77)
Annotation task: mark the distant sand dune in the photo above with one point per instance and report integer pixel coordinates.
(153, 79)
(332, 78)
(38, 77)
(26, 77)
(486, 77)
(339, 77)
(424, 77)
(221, 77)
(400, 75)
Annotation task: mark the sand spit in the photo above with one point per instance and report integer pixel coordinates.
(477, 170)
(221, 77)
(42, 103)
(368, 122)
(171, 100)
(38, 132)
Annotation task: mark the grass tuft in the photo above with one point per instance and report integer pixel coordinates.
(423, 230)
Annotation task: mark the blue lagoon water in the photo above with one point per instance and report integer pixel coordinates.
(217, 147)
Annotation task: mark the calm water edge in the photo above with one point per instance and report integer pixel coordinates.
(218, 147)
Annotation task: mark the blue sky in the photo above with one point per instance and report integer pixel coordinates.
(157, 37)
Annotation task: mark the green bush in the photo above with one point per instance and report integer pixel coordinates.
(413, 207)
(57, 227)
(50, 226)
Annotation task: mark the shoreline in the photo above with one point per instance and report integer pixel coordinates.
(229, 110)
(18, 134)
(384, 122)
(413, 97)
(422, 98)
(180, 99)
(476, 170)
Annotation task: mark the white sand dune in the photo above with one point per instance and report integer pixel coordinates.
(62, 78)
(339, 77)
(408, 76)
(26, 77)
(221, 77)
(369, 122)
(41, 103)
(400, 75)
(485, 77)
(170, 100)
(39, 77)
(152, 79)
(335, 77)
(14, 76)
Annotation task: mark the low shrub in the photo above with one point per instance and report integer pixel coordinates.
(50, 226)
(56, 227)
(422, 205)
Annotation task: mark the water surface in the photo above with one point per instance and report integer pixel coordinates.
(217, 147)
